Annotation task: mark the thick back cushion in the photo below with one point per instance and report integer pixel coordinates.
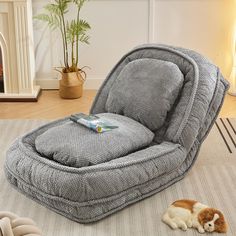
(145, 91)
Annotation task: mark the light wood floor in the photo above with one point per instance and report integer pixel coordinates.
(51, 106)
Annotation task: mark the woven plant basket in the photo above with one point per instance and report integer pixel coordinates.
(71, 85)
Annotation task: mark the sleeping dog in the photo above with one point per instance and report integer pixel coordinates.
(185, 214)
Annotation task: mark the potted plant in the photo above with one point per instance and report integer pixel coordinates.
(72, 32)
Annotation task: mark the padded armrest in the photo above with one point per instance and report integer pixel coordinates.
(98, 181)
(134, 169)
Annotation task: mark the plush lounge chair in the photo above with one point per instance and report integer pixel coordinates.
(164, 100)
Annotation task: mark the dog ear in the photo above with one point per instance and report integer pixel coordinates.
(221, 228)
(220, 224)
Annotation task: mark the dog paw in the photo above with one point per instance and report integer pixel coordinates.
(184, 227)
(174, 226)
(201, 230)
(189, 224)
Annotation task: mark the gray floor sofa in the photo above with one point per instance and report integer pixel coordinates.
(164, 100)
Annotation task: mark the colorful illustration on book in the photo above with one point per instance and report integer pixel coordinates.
(92, 122)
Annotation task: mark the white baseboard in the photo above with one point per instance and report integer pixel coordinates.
(48, 83)
(31, 97)
(53, 83)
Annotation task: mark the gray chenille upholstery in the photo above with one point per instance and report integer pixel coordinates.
(175, 92)
(146, 102)
(74, 145)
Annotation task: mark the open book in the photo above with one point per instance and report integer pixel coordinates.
(93, 122)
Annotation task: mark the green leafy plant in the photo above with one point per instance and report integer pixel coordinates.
(72, 32)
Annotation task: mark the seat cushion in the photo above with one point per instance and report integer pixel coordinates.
(145, 91)
(74, 145)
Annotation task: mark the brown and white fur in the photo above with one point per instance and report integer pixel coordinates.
(185, 214)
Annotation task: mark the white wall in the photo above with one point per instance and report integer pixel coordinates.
(119, 25)
(203, 25)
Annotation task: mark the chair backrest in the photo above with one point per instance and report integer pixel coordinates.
(187, 115)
